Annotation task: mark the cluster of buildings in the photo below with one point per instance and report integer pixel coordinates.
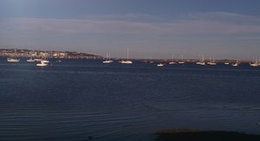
(25, 53)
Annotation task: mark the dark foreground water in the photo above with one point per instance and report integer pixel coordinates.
(83, 100)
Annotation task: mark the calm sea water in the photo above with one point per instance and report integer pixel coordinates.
(87, 100)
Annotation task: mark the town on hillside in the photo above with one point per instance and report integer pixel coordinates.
(26, 53)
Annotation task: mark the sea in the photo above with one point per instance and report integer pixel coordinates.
(81, 100)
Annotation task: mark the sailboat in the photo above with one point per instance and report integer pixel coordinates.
(201, 62)
(108, 60)
(13, 60)
(31, 60)
(127, 61)
(255, 64)
(212, 62)
(172, 62)
(182, 61)
(235, 64)
(43, 63)
(160, 65)
(226, 63)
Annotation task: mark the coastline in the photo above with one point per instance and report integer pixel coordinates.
(28, 53)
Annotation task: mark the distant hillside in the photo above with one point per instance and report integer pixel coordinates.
(47, 54)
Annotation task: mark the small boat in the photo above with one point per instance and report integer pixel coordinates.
(182, 60)
(107, 61)
(171, 63)
(160, 65)
(201, 62)
(30, 60)
(13, 60)
(38, 60)
(126, 62)
(43, 63)
(255, 64)
(235, 64)
(226, 63)
(212, 63)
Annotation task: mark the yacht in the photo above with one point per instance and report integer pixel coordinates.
(172, 61)
(235, 64)
(107, 60)
(127, 61)
(201, 62)
(226, 63)
(212, 62)
(255, 64)
(182, 60)
(42, 64)
(30, 60)
(13, 60)
(160, 65)
(45, 61)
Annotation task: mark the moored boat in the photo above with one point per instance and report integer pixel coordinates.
(160, 65)
(13, 60)
(43, 63)
(126, 62)
(30, 60)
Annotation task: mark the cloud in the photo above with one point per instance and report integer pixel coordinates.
(214, 23)
(73, 26)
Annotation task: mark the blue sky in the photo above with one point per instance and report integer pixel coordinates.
(149, 28)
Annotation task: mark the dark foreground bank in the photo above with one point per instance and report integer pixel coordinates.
(200, 135)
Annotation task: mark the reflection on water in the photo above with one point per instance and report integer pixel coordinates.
(88, 100)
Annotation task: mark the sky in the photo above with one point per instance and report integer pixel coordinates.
(223, 29)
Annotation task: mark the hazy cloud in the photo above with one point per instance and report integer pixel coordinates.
(193, 24)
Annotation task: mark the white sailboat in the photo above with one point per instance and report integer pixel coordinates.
(235, 64)
(255, 64)
(42, 63)
(226, 63)
(172, 62)
(201, 62)
(212, 62)
(127, 61)
(182, 60)
(108, 60)
(31, 60)
(160, 65)
(13, 60)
